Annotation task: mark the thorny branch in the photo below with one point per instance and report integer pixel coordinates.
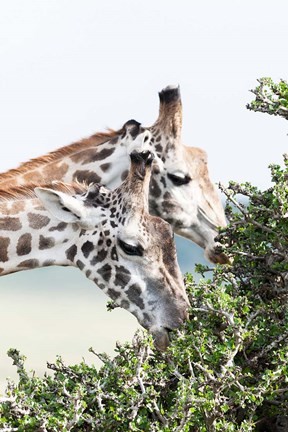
(270, 98)
(236, 331)
(244, 212)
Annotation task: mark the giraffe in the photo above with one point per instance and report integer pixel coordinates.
(181, 191)
(108, 235)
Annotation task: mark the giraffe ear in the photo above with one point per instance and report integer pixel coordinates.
(61, 205)
(132, 128)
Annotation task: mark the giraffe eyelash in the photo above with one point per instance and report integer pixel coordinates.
(131, 249)
(179, 181)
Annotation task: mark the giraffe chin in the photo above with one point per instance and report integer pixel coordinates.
(217, 257)
(161, 339)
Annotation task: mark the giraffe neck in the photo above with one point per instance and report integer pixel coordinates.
(181, 191)
(88, 160)
(31, 237)
(162, 143)
(109, 235)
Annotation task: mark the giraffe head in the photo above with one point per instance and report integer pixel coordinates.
(127, 252)
(182, 192)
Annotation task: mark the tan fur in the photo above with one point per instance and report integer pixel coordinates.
(94, 140)
(20, 192)
(172, 111)
(197, 162)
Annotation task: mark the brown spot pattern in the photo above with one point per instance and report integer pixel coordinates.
(105, 272)
(122, 276)
(30, 167)
(114, 255)
(17, 207)
(134, 295)
(105, 167)
(60, 227)
(30, 263)
(155, 191)
(4, 243)
(24, 244)
(86, 176)
(113, 294)
(37, 221)
(83, 156)
(37, 177)
(91, 155)
(124, 304)
(12, 209)
(10, 224)
(87, 248)
(102, 154)
(5, 209)
(55, 171)
(80, 264)
(46, 242)
(48, 263)
(71, 252)
(102, 254)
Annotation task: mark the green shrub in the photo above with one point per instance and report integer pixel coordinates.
(270, 97)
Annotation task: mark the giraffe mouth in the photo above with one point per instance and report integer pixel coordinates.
(217, 257)
(161, 338)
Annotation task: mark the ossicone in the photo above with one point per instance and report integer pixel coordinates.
(141, 160)
(145, 157)
(170, 94)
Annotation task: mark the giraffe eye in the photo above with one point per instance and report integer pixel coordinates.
(130, 249)
(179, 180)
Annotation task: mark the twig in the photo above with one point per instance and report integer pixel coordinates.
(139, 368)
(98, 397)
(158, 414)
(244, 212)
(269, 347)
(78, 411)
(237, 334)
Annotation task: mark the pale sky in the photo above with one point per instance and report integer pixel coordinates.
(71, 68)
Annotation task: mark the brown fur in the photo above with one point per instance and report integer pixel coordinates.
(20, 192)
(197, 161)
(172, 111)
(94, 140)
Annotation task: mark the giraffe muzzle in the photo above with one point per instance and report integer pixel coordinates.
(216, 257)
(161, 339)
(161, 334)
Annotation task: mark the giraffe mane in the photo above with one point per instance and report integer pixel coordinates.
(20, 192)
(93, 140)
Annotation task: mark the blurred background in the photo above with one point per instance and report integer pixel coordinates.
(70, 69)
